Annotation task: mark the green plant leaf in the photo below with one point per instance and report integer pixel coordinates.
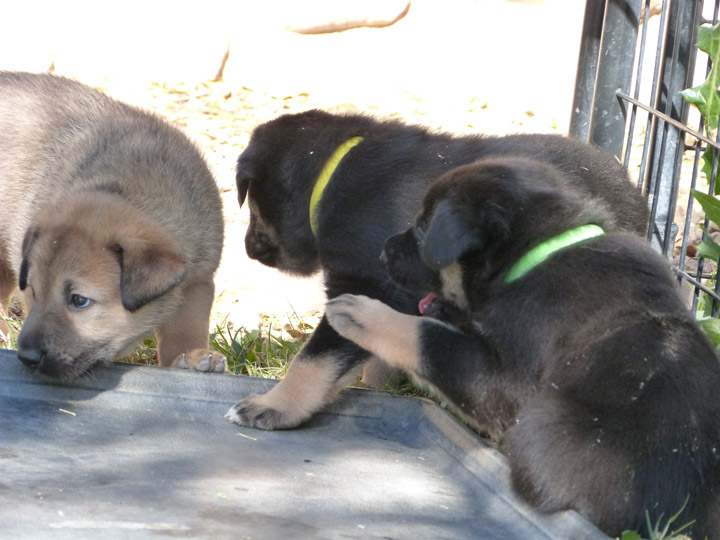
(630, 535)
(711, 326)
(706, 96)
(707, 160)
(709, 204)
(709, 249)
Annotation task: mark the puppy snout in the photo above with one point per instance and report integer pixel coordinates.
(30, 348)
(258, 246)
(31, 357)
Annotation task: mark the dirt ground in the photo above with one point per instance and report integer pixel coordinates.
(482, 66)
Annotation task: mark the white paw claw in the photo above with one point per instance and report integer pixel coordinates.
(205, 364)
(182, 363)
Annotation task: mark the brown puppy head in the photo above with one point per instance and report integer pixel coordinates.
(478, 219)
(99, 276)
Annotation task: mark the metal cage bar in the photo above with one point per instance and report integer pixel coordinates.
(614, 72)
(613, 96)
(587, 69)
(666, 143)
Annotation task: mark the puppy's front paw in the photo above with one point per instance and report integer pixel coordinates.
(309, 384)
(353, 316)
(201, 360)
(254, 411)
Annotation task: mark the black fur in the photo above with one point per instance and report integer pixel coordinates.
(375, 192)
(28, 241)
(589, 370)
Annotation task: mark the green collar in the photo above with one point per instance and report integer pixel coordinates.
(326, 174)
(542, 252)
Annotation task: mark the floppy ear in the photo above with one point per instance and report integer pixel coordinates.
(449, 235)
(242, 178)
(455, 230)
(30, 236)
(148, 269)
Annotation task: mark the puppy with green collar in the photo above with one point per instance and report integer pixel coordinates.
(326, 190)
(561, 337)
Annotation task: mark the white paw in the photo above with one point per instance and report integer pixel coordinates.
(201, 360)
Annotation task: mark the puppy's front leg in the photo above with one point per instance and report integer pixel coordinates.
(460, 365)
(323, 367)
(183, 341)
(393, 336)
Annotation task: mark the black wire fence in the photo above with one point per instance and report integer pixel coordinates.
(636, 56)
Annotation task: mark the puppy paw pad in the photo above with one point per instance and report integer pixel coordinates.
(182, 362)
(250, 414)
(202, 360)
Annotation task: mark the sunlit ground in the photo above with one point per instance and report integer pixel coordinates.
(484, 66)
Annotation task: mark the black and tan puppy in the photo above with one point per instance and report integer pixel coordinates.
(374, 174)
(569, 344)
(111, 223)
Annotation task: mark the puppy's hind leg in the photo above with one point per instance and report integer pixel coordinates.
(562, 456)
(376, 373)
(554, 449)
(322, 368)
(183, 341)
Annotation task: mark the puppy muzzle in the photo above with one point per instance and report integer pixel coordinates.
(259, 248)
(30, 357)
(402, 260)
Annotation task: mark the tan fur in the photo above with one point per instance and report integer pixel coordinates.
(110, 203)
(308, 386)
(452, 285)
(376, 327)
(259, 226)
(375, 372)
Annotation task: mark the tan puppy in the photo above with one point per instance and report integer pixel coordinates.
(110, 222)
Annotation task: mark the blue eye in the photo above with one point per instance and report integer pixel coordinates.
(80, 302)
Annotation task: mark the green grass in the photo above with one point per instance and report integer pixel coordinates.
(660, 531)
(145, 354)
(264, 351)
(267, 350)
(8, 340)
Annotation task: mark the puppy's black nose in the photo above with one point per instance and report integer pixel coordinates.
(259, 247)
(30, 357)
